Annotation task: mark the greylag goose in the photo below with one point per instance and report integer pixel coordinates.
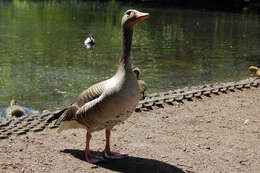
(255, 70)
(142, 85)
(14, 110)
(107, 103)
(90, 41)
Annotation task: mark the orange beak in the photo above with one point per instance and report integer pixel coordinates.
(141, 16)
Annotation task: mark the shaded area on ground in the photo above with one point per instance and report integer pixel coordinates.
(130, 164)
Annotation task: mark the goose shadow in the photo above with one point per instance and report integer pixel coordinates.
(130, 164)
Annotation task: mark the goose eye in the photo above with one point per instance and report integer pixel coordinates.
(128, 13)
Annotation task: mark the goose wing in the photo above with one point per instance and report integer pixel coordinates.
(83, 112)
(90, 94)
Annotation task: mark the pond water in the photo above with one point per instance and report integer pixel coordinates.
(44, 63)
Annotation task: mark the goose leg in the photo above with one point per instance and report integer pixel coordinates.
(89, 157)
(108, 153)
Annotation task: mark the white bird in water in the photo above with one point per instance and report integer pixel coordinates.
(90, 41)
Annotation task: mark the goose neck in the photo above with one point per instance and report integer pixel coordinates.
(127, 41)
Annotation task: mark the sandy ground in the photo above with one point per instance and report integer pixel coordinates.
(220, 133)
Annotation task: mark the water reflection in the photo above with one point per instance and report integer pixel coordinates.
(44, 62)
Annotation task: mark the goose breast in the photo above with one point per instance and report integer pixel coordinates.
(114, 106)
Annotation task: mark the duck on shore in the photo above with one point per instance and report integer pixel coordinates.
(254, 70)
(142, 85)
(109, 102)
(14, 110)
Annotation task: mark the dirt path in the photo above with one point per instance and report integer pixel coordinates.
(214, 134)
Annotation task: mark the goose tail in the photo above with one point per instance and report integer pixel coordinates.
(56, 115)
(65, 114)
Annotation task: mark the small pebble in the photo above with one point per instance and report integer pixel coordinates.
(45, 111)
(208, 148)
(94, 167)
(74, 134)
(148, 137)
(246, 122)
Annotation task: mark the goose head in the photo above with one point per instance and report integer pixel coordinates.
(131, 17)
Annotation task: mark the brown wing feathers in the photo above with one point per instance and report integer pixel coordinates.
(90, 94)
(69, 113)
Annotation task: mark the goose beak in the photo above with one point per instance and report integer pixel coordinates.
(141, 16)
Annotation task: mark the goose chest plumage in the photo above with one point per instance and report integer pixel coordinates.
(107, 103)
